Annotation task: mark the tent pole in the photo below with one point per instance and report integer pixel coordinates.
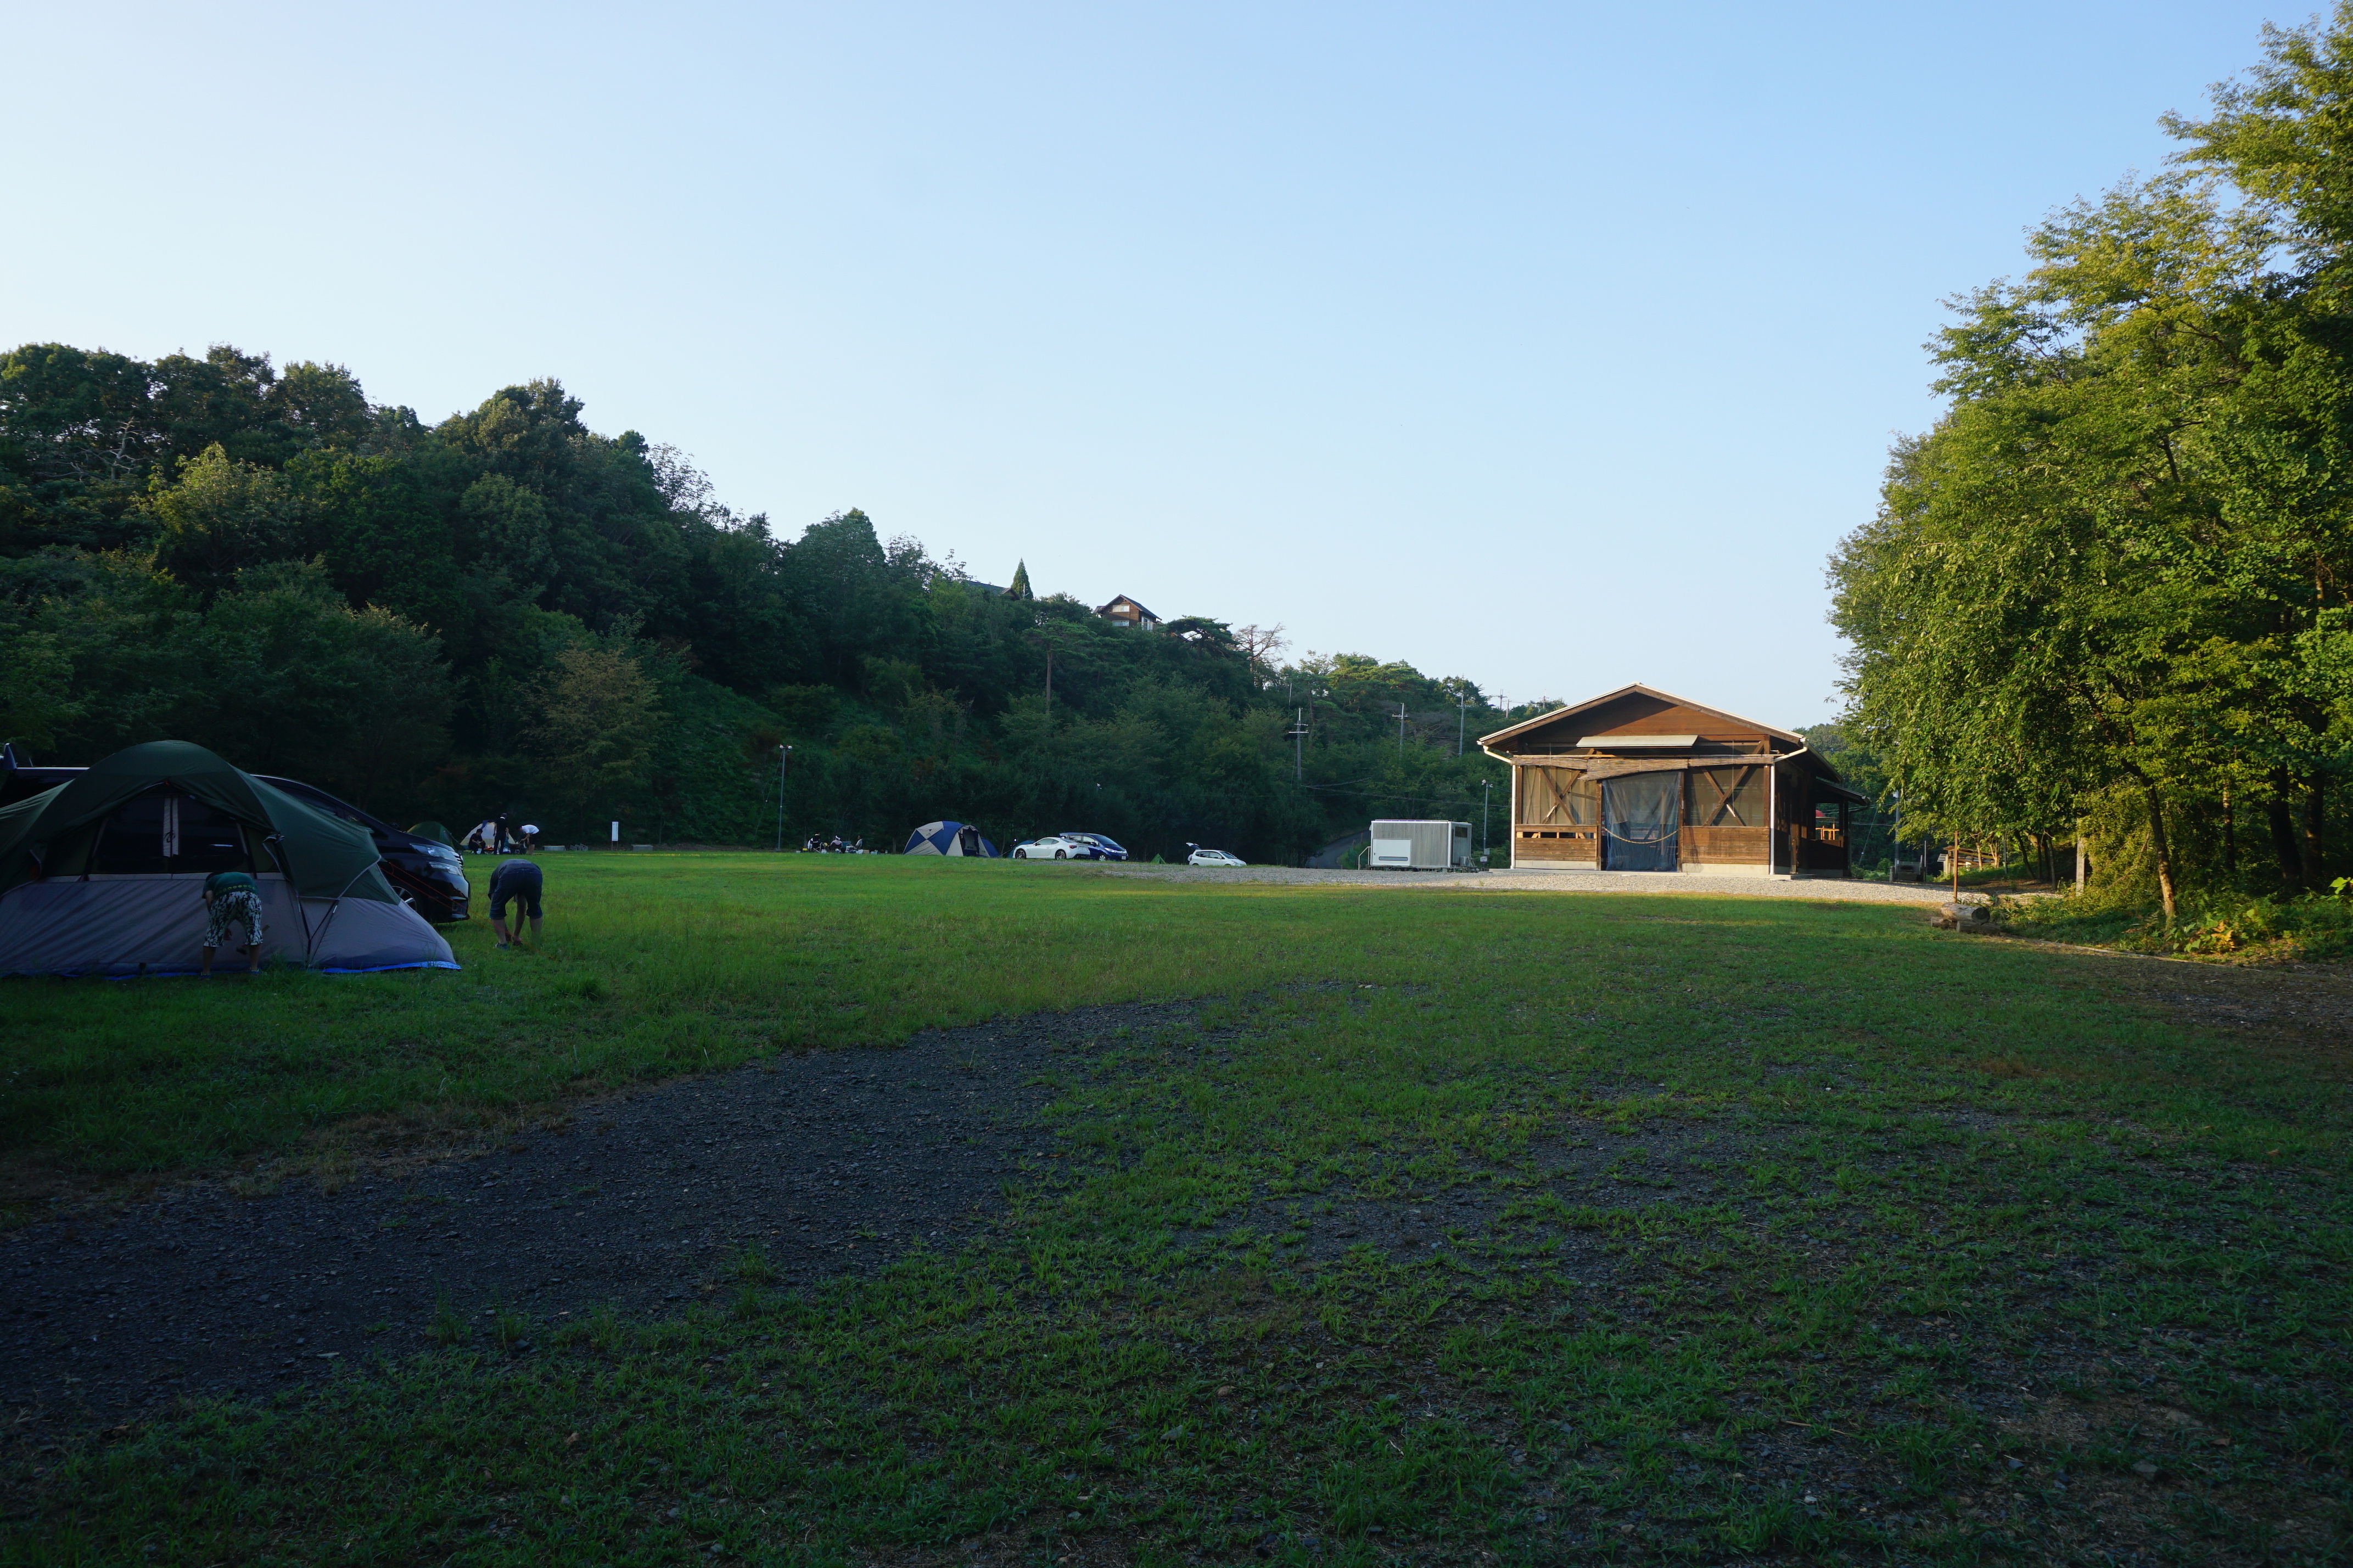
(278, 842)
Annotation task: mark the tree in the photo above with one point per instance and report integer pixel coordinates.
(2115, 560)
(35, 686)
(282, 676)
(220, 516)
(598, 716)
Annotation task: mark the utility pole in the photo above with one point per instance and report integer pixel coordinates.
(1486, 807)
(1400, 729)
(784, 757)
(1299, 746)
(1462, 717)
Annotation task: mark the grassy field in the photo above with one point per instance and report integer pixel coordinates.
(1520, 1227)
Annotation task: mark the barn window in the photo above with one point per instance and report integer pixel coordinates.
(1724, 797)
(1558, 796)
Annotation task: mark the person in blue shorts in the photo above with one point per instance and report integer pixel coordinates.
(517, 879)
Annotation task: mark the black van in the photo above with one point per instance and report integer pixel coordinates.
(430, 878)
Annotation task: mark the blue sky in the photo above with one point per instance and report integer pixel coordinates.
(1552, 345)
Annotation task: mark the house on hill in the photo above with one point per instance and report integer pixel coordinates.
(1127, 613)
(1641, 780)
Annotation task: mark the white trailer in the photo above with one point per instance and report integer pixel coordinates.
(1422, 846)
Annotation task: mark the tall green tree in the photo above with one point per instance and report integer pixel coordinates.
(2119, 561)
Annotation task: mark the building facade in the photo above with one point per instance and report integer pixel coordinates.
(1639, 780)
(1127, 613)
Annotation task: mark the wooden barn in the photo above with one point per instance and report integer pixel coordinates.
(1643, 781)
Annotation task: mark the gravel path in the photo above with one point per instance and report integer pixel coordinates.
(1544, 881)
(832, 1162)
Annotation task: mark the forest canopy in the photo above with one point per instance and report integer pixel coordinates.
(2108, 592)
(511, 612)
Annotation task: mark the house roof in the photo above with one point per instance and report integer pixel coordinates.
(1136, 604)
(1557, 714)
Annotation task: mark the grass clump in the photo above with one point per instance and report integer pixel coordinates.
(448, 1326)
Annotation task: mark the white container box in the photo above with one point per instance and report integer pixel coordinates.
(1401, 845)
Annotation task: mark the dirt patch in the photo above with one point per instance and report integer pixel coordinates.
(830, 1163)
(2305, 1008)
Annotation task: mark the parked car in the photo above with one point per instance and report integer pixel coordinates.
(428, 876)
(1105, 849)
(1200, 857)
(1069, 847)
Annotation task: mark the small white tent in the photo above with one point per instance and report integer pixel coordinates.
(105, 875)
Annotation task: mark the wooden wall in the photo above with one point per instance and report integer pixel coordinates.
(1726, 846)
(1635, 714)
(1573, 845)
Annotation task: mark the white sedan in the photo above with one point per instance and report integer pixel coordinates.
(1056, 846)
(1200, 857)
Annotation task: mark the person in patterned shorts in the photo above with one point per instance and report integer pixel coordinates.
(232, 898)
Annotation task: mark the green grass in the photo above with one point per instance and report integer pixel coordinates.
(1805, 1234)
(652, 965)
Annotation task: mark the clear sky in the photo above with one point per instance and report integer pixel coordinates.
(1554, 345)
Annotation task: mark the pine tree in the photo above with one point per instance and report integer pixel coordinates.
(1020, 588)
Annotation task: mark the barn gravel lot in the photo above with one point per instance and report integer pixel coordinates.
(1183, 1222)
(1837, 889)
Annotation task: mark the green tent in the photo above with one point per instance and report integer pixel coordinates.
(54, 832)
(103, 875)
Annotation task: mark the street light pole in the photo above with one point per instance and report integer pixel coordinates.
(784, 756)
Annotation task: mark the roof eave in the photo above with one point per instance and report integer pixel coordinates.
(1563, 713)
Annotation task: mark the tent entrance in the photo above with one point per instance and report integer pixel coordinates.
(1641, 816)
(161, 831)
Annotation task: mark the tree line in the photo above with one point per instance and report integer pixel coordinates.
(2107, 592)
(509, 611)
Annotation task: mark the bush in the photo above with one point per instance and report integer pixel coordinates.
(2215, 925)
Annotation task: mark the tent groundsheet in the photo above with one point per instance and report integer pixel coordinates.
(156, 925)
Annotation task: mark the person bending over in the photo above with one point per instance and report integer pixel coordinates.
(232, 898)
(517, 879)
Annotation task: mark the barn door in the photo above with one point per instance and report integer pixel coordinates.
(1640, 815)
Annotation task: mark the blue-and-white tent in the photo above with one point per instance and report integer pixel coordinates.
(949, 839)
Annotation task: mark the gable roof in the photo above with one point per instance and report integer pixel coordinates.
(1133, 604)
(1557, 714)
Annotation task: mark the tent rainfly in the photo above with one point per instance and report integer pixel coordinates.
(104, 875)
(948, 838)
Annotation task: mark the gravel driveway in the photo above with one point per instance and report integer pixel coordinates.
(831, 1162)
(1539, 881)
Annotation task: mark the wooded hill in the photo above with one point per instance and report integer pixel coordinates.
(507, 611)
